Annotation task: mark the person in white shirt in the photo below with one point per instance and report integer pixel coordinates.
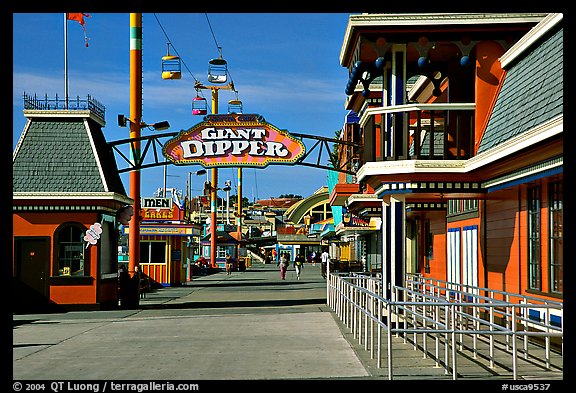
(325, 259)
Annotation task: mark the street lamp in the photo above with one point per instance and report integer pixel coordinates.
(200, 172)
(227, 183)
(158, 126)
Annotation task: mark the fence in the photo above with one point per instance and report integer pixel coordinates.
(58, 103)
(445, 312)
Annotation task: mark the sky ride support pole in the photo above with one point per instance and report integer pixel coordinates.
(214, 194)
(131, 291)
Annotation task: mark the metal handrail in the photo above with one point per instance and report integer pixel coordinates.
(357, 299)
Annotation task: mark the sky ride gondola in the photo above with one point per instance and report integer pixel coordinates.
(171, 66)
(235, 106)
(218, 70)
(199, 105)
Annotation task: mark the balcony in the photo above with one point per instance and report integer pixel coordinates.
(442, 131)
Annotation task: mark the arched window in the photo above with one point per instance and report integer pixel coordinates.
(69, 246)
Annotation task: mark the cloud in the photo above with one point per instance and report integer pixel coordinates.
(107, 88)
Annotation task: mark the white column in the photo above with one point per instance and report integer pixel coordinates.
(385, 261)
(397, 239)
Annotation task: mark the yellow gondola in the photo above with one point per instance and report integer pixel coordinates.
(171, 66)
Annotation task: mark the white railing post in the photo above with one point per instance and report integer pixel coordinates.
(389, 339)
(453, 328)
(379, 351)
(514, 353)
(492, 335)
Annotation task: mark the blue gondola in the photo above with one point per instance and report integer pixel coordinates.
(235, 106)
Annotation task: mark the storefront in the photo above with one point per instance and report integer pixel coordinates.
(168, 246)
(226, 245)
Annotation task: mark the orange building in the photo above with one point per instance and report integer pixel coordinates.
(66, 196)
(461, 119)
(168, 245)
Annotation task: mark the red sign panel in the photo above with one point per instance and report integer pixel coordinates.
(233, 140)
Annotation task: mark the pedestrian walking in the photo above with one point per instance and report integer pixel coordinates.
(298, 265)
(229, 264)
(283, 263)
(325, 259)
(313, 258)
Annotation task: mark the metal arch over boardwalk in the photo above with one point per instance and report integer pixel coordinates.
(166, 148)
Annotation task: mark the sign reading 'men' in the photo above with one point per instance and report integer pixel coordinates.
(233, 140)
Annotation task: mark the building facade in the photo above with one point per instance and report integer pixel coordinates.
(461, 118)
(66, 197)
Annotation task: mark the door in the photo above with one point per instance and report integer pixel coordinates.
(32, 264)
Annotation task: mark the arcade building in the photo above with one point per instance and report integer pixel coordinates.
(66, 198)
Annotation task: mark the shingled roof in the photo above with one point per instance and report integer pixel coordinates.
(531, 94)
(64, 154)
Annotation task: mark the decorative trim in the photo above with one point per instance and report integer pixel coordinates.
(434, 186)
(20, 140)
(95, 152)
(361, 198)
(555, 162)
(72, 195)
(85, 113)
(371, 211)
(432, 19)
(426, 206)
(66, 208)
(524, 43)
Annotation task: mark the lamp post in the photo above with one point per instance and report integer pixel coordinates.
(227, 183)
(200, 172)
(130, 298)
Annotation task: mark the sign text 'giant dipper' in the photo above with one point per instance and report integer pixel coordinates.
(233, 140)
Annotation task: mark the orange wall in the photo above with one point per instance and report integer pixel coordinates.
(44, 224)
(171, 272)
(489, 78)
(502, 241)
(507, 241)
(438, 261)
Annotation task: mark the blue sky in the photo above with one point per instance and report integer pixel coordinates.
(285, 67)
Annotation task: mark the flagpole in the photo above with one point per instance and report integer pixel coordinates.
(66, 58)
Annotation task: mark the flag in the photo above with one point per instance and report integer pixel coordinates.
(79, 17)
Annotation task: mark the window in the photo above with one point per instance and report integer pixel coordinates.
(152, 252)
(221, 252)
(461, 206)
(534, 261)
(70, 246)
(556, 255)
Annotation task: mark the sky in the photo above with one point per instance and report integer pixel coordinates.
(285, 67)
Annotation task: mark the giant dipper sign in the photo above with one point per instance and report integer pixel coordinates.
(233, 140)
